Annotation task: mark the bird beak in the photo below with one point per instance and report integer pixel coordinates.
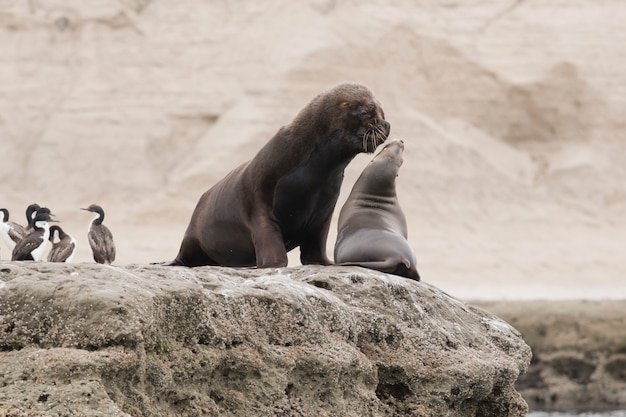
(84, 209)
(53, 221)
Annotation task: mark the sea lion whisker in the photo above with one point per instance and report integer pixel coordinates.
(374, 141)
(382, 137)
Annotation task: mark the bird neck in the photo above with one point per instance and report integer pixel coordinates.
(98, 218)
(40, 225)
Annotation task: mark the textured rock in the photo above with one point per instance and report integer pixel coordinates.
(88, 339)
(579, 352)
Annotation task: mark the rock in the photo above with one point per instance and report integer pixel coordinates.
(579, 352)
(89, 339)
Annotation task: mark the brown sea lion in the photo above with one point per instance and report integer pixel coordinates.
(372, 230)
(285, 196)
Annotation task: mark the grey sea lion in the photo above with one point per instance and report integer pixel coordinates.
(372, 229)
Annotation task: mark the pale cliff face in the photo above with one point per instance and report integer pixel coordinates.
(510, 116)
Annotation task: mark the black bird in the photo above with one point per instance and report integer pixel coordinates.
(31, 211)
(11, 232)
(64, 249)
(100, 237)
(32, 246)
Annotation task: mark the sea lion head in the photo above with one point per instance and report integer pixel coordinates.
(364, 116)
(391, 154)
(349, 111)
(379, 176)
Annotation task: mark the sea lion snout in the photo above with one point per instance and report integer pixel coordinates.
(395, 145)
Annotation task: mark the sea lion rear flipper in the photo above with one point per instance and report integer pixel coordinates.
(390, 266)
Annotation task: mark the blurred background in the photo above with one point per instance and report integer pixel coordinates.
(512, 113)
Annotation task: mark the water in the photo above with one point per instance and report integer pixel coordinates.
(620, 413)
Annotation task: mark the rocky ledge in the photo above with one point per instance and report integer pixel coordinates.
(579, 352)
(88, 339)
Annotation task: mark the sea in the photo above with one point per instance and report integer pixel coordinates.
(618, 413)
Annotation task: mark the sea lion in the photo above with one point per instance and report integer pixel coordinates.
(371, 230)
(284, 197)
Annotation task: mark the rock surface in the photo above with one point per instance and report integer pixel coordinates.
(579, 352)
(87, 339)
